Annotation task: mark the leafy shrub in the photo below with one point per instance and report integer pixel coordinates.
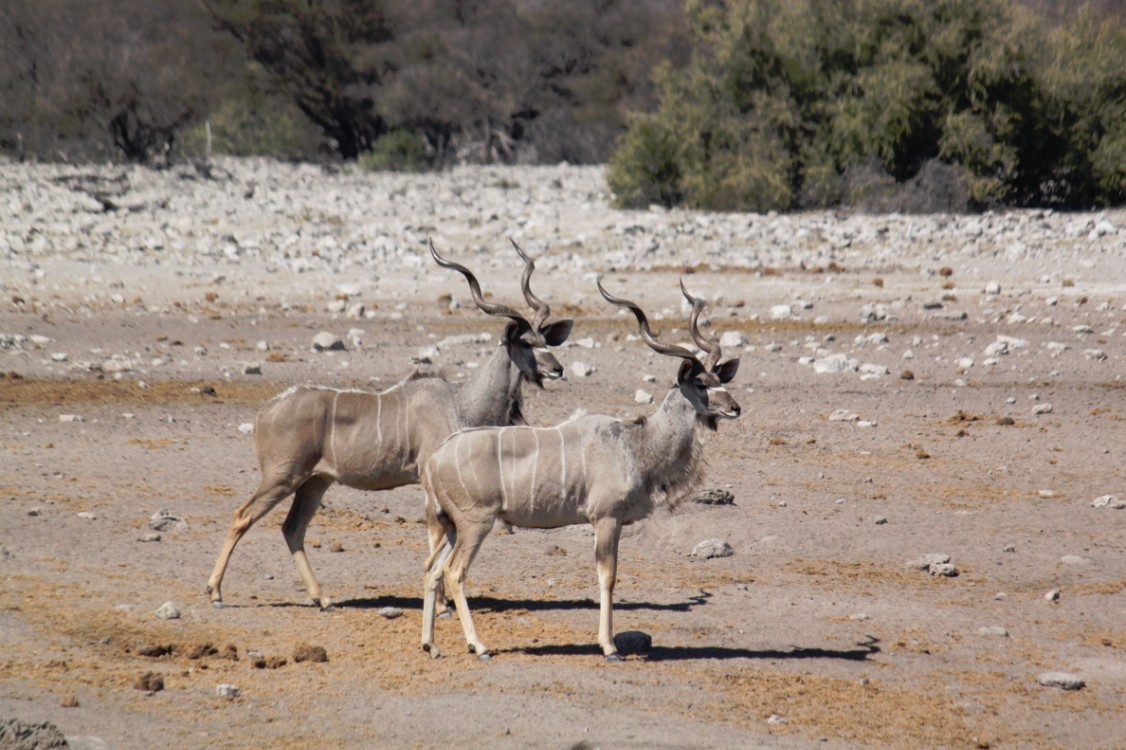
(250, 122)
(397, 151)
(808, 104)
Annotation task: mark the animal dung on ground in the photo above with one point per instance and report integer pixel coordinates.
(150, 682)
(305, 652)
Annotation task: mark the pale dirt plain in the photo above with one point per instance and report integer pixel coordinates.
(814, 633)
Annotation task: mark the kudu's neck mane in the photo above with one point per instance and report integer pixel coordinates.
(668, 447)
(494, 395)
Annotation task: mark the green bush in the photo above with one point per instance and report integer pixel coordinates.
(397, 151)
(249, 122)
(807, 104)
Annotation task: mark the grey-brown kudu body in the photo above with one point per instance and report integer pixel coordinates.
(589, 469)
(310, 437)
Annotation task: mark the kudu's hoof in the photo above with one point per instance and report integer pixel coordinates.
(613, 658)
(217, 603)
(484, 657)
(431, 649)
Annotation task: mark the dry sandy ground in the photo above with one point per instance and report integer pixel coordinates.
(815, 633)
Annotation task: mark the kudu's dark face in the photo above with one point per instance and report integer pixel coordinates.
(706, 392)
(528, 349)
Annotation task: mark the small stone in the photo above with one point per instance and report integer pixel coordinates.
(993, 630)
(880, 520)
(943, 569)
(246, 428)
(390, 613)
(168, 611)
(581, 369)
(843, 415)
(781, 312)
(151, 536)
(1045, 408)
(633, 642)
(1061, 680)
(835, 364)
(1108, 501)
(776, 719)
(71, 418)
(1053, 595)
(228, 691)
(642, 396)
(716, 496)
(336, 547)
(252, 368)
(927, 560)
(732, 340)
(166, 520)
(427, 355)
(70, 701)
(327, 342)
(555, 550)
(710, 548)
(993, 287)
(88, 516)
(1075, 560)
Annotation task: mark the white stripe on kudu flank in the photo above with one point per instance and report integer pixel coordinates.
(535, 465)
(332, 432)
(379, 420)
(562, 464)
(406, 447)
(500, 471)
(457, 464)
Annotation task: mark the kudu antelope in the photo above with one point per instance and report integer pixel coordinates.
(310, 437)
(593, 469)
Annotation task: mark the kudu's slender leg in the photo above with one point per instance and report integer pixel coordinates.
(435, 570)
(441, 532)
(306, 501)
(607, 533)
(465, 548)
(271, 491)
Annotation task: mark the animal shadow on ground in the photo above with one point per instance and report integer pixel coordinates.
(493, 604)
(861, 652)
(717, 653)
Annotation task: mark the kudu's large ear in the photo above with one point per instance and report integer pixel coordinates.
(556, 333)
(727, 370)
